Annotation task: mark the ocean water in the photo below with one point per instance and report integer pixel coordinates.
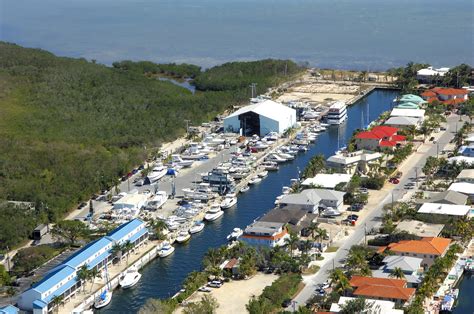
(358, 34)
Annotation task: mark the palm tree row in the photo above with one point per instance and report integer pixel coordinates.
(119, 250)
(84, 274)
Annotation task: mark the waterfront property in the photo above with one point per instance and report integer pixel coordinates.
(378, 138)
(382, 306)
(261, 233)
(448, 96)
(446, 197)
(351, 163)
(295, 218)
(311, 200)
(388, 289)
(261, 118)
(327, 180)
(62, 281)
(465, 188)
(466, 175)
(130, 203)
(411, 267)
(431, 74)
(444, 212)
(409, 113)
(428, 248)
(419, 228)
(403, 122)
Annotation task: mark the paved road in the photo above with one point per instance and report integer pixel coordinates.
(373, 217)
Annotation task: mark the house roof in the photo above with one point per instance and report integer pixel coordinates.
(267, 108)
(420, 228)
(387, 143)
(382, 306)
(410, 121)
(284, 215)
(459, 159)
(447, 197)
(378, 132)
(327, 180)
(312, 197)
(410, 278)
(53, 278)
(406, 263)
(399, 112)
(381, 287)
(264, 227)
(9, 309)
(354, 157)
(428, 245)
(444, 209)
(466, 174)
(463, 187)
(449, 91)
(411, 98)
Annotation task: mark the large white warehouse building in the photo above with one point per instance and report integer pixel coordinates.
(261, 118)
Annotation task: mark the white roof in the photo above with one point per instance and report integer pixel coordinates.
(466, 174)
(379, 306)
(459, 159)
(400, 112)
(398, 120)
(328, 181)
(430, 71)
(267, 108)
(444, 209)
(355, 157)
(131, 200)
(463, 187)
(338, 105)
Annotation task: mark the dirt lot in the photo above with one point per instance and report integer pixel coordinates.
(233, 296)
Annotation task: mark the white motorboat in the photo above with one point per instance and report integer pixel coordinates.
(337, 113)
(213, 213)
(278, 198)
(331, 212)
(262, 174)
(183, 237)
(235, 234)
(103, 299)
(166, 250)
(157, 173)
(270, 165)
(255, 180)
(276, 158)
(285, 156)
(198, 227)
(131, 278)
(157, 201)
(176, 159)
(228, 201)
(244, 189)
(302, 148)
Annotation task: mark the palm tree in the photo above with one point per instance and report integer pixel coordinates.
(93, 274)
(313, 228)
(56, 301)
(83, 275)
(291, 241)
(339, 280)
(398, 273)
(127, 247)
(306, 246)
(117, 252)
(322, 234)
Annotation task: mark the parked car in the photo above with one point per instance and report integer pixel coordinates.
(394, 180)
(363, 190)
(215, 284)
(204, 289)
(357, 206)
(432, 138)
(286, 303)
(353, 217)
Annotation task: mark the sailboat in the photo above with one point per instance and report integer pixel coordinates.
(106, 296)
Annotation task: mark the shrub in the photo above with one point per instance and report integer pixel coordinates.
(31, 258)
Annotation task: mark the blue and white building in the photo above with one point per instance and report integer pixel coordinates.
(9, 309)
(62, 280)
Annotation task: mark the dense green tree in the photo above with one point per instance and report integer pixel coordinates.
(70, 231)
(207, 305)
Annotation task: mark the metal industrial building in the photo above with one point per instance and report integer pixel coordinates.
(261, 118)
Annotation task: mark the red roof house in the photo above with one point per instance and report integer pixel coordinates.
(382, 289)
(379, 137)
(448, 96)
(428, 248)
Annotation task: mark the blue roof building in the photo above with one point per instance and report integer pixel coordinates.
(62, 280)
(9, 309)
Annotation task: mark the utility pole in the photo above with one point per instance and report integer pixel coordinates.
(187, 126)
(437, 150)
(365, 232)
(253, 89)
(416, 176)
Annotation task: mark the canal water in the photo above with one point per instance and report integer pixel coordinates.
(465, 302)
(162, 277)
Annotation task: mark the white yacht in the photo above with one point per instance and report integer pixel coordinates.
(244, 189)
(229, 201)
(263, 174)
(213, 213)
(166, 250)
(270, 165)
(157, 173)
(198, 227)
(331, 212)
(103, 299)
(337, 113)
(176, 159)
(183, 237)
(236, 233)
(275, 158)
(130, 278)
(255, 180)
